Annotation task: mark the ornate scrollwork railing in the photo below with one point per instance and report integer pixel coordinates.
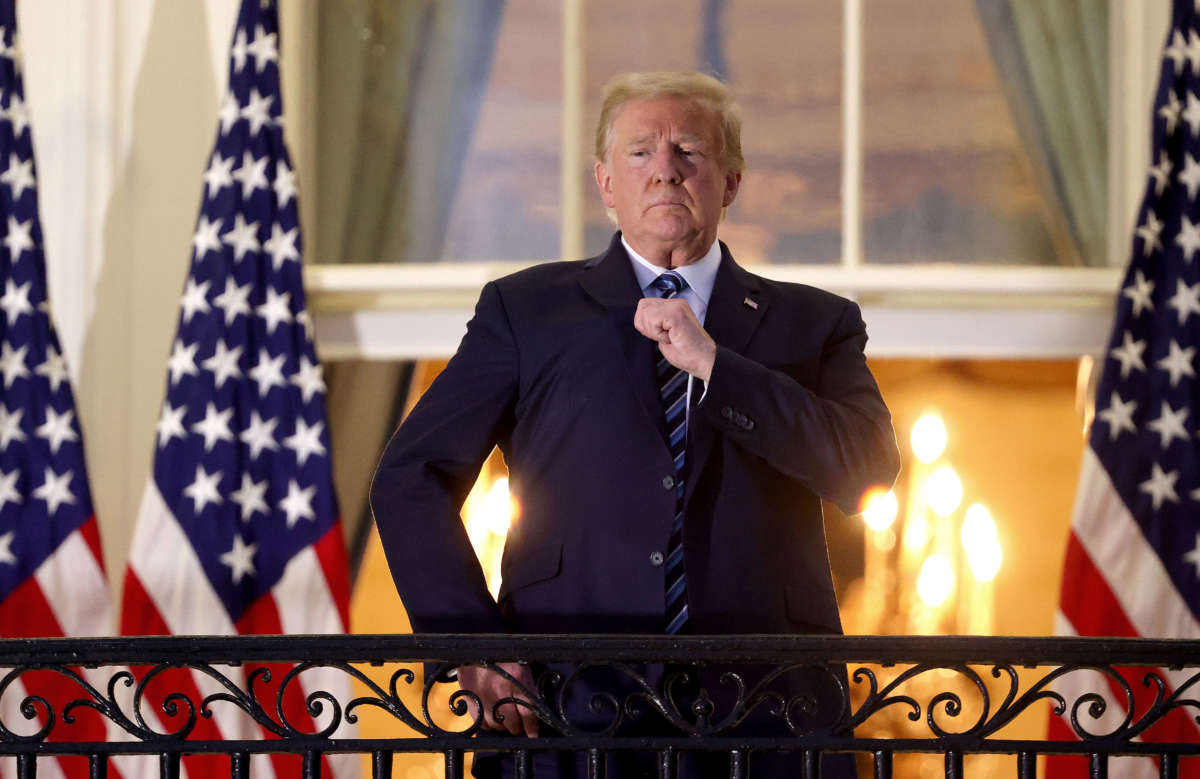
(729, 696)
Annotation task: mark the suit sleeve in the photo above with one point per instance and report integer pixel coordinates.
(835, 437)
(429, 467)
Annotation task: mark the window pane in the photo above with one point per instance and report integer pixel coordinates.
(972, 125)
(783, 61)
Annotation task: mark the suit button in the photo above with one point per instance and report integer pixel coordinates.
(668, 482)
(749, 425)
(740, 420)
(656, 559)
(727, 413)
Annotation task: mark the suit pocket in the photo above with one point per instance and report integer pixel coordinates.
(812, 608)
(530, 567)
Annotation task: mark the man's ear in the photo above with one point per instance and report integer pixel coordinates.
(733, 181)
(604, 183)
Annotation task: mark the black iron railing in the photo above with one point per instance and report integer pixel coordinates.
(730, 697)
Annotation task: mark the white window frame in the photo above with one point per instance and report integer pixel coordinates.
(420, 310)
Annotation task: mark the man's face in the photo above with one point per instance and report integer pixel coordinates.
(664, 177)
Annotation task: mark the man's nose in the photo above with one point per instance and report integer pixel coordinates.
(668, 167)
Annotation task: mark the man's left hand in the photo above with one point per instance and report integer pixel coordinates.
(680, 336)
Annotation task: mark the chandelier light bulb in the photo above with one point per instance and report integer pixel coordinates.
(928, 438)
(936, 581)
(880, 509)
(943, 491)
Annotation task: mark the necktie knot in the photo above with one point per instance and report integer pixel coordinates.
(669, 284)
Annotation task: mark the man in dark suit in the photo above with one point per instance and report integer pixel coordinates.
(670, 420)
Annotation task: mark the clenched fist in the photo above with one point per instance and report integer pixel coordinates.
(680, 336)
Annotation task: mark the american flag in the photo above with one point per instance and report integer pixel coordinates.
(238, 530)
(1133, 557)
(52, 580)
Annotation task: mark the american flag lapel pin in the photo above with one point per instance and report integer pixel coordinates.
(751, 303)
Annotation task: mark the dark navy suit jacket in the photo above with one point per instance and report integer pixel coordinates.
(553, 372)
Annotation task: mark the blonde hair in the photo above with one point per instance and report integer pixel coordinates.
(703, 90)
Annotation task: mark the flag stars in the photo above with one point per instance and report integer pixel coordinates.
(55, 490)
(229, 114)
(219, 174)
(258, 113)
(1190, 175)
(282, 246)
(1118, 416)
(195, 299)
(15, 301)
(206, 239)
(214, 427)
(242, 237)
(260, 435)
(182, 361)
(1186, 300)
(57, 428)
(6, 553)
(240, 559)
(268, 372)
(8, 488)
(1191, 114)
(285, 183)
(275, 310)
(1192, 52)
(54, 368)
(1193, 556)
(297, 504)
(1178, 362)
(1160, 486)
(1176, 52)
(238, 50)
(263, 48)
(18, 176)
(1129, 354)
(1161, 172)
(1188, 239)
(1139, 292)
(17, 115)
(10, 426)
(252, 174)
(19, 238)
(1169, 425)
(203, 489)
(234, 300)
(1170, 112)
(170, 424)
(224, 363)
(306, 440)
(310, 379)
(1150, 232)
(251, 497)
(12, 363)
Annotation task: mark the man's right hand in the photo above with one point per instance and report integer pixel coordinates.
(491, 687)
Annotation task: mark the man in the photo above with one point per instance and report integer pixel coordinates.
(670, 421)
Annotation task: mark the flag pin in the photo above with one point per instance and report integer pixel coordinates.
(752, 303)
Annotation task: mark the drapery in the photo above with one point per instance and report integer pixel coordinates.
(1052, 58)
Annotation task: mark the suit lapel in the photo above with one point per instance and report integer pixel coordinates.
(609, 279)
(735, 310)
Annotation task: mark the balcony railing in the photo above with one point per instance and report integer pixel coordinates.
(732, 697)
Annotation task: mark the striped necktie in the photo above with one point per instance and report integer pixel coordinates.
(672, 388)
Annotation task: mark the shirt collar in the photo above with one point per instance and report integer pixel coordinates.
(700, 275)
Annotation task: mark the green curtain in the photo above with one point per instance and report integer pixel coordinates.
(399, 86)
(1052, 58)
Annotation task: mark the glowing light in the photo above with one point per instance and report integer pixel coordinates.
(496, 509)
(928, 438)
(943, 491)
(880, 509)
(936, 581)
(916, 533)
(984, 553)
